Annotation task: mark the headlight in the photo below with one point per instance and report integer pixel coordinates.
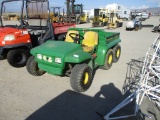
(39, 56)
(9, 37)
(58, 60)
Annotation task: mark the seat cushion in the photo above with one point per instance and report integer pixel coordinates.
(88, 49)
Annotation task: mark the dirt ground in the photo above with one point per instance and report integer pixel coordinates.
(26, 97)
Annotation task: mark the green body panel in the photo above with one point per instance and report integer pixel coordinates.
(73, 53)
(102, 50)
(77, 57)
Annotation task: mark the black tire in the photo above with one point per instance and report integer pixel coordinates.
(32, 67)
(93, 25)
(117, 25)
(140, 26)
(87, 21)
(18, 57)
(102, 24)
(78, 21)
(60, 18)
(2, 57)
(136, 28)
(121, 24)
(81, 77)
(108, 61)
(116, 53)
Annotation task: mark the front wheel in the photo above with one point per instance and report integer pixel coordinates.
(32, 67)
(18, 57)
(81, 77)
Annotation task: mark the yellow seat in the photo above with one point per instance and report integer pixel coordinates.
(90, 41)
(68, 38)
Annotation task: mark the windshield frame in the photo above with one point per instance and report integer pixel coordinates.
(2, 6)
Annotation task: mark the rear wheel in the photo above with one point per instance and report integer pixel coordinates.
(32, 67)
(18, 57)
(109, 60)
(136, 28)
(117, 25)
(78, 21)
(87, 21)
(120, 24)
(116, 53)
(102, 24)
(93, 25)
(140, 26)
(81, 77)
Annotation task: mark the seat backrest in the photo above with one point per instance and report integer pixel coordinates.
(37, 22)
(90, 39)
(68, 38)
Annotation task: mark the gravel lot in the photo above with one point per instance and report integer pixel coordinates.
(26, 97)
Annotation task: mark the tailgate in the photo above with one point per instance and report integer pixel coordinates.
(112, 36)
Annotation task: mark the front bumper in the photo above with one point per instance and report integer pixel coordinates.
(51, 69)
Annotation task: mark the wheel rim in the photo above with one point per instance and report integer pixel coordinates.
(86, 78)
(118, 53)
(110, 59)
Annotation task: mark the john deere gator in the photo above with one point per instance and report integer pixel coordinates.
(77, 57)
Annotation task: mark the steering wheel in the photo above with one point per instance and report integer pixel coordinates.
(24, 23)
(76, 37)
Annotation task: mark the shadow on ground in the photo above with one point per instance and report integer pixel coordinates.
(71, 105)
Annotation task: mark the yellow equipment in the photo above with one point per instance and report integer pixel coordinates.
(114, 21)
(75, 13)
(55, 15)
(100, 18)
(81, 17)
(13, 17)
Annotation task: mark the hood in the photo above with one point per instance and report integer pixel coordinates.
(7, 30)
(56, 48)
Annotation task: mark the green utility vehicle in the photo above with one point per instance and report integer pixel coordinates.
(82, 51)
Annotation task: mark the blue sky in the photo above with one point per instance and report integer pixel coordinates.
(89, 4)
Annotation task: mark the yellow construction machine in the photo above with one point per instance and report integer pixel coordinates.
(76, 13)
(81, 16)
(55, 15)
(114, 21)
(100, 18)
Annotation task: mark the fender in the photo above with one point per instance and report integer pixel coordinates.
(77, 57)
(102, 50)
